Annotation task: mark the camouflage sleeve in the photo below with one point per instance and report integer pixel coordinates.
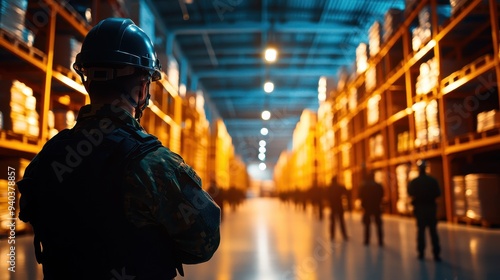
(177, 203)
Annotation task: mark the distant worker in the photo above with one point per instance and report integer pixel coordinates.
(371, 194)
(424, 190)
(337, 193)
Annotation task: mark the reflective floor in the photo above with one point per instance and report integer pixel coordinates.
(265, 239)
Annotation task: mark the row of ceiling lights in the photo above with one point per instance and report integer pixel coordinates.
(270, 55)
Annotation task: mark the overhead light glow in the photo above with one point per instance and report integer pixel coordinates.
(262, 157)
(271, 54)
(262, 143)
(262, 149)
(268, 87)
(264, 131)
(262, 166)
(266, 115)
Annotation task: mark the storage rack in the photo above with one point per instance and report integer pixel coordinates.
(465, 48)
(35, 66)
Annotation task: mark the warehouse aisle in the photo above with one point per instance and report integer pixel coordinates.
(268, 240)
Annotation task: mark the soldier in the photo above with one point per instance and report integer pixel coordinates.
(337, 193)
(106, 200)
(371, 194)
(424, 190)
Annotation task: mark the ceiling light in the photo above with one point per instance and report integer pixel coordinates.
(271, 54)
(266, 115)
(262, 149)
(268, 87)
(264, 131)
(262, 157)
(262, 166)
(262, 143)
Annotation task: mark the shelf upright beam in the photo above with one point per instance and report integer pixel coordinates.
(442, 119)
(72, 18)
(496, 40)
(409, 92)
(48, 76)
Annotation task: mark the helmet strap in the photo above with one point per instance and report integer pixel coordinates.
(138, 107)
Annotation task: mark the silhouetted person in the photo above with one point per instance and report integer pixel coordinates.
(337, 192)
(106, 199)
(317, 195)
(424, 190)
(371, 194)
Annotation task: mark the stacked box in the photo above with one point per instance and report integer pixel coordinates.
(353, 99)
(361, 58)
(376, 144)
(372, 110)
(459, 196)
(403, 141)
(428, 77)
(370, 78)
(457, 5)
(422, 33)
(343, 77)
(66, 47)
(392, 21)
(344, 130)
(403, 203)
(432, 118)
(488, 120)
(482, 192)
(18, 107)
(374, 36)
(420, 123)
(12, 14)
(83, 8)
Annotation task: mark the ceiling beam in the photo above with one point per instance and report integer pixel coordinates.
(276, 122)
(229, 49)
(257, 27)
(254, 60)
(239, 94)
(245, 72)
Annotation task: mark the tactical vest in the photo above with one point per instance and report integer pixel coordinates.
(72, 196)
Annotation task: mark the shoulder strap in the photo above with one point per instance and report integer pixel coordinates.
(134, 144)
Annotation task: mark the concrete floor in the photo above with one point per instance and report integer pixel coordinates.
(265, 239)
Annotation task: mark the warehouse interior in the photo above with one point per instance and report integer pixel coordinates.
(275, 98)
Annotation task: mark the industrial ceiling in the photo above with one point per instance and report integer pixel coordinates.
(222, 43)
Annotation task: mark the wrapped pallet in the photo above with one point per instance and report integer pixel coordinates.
(374, 37)
(393, 19)
(488, 120)
(459, 199)
(420, 123)
(361, 58)
(66, 47)
(12, 15)
(432, 118)
(18, 107)
(482, 193)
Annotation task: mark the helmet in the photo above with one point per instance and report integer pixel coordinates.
(116, 43)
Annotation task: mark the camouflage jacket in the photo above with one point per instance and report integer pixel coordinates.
(106, 172)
